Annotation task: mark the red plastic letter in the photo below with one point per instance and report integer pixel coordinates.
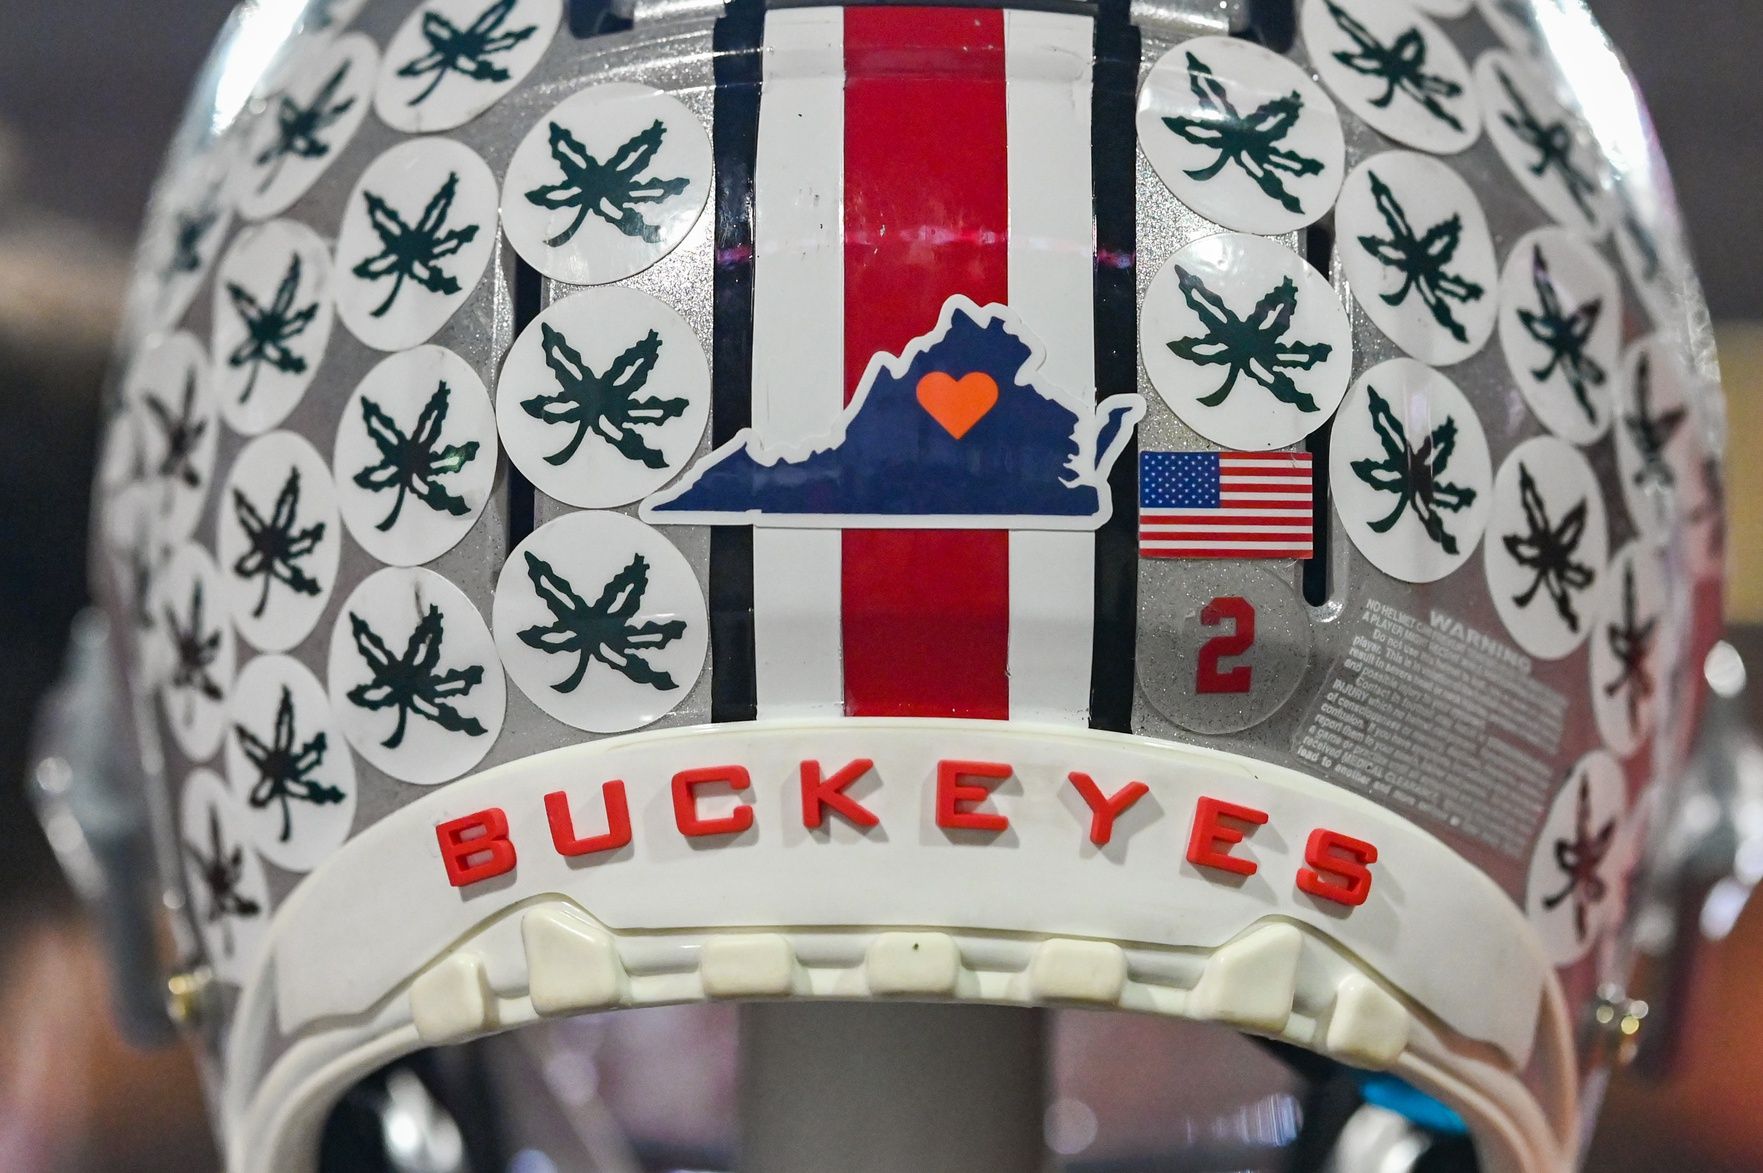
(1105, 808)
(483, 837)
(618, 822)
(1210, 843)
(685, 801)
(1340, 868)
(956, 799)
(819, 793)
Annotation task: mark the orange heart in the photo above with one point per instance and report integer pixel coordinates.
(958, 404)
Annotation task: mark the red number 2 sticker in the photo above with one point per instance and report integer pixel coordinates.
(1209, 678)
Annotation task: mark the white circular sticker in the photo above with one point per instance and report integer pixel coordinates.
(288, 763)
(1241, 135)
(1246, 342)
(1449, 9)
(167, 392)
(1409, 471)
(1561, 332)
(190, 224)
(606, 184)
(306, 126)
(1416, 250)
(1627, 665)
(453, 59)
(420, 228)
(277, 540)
(603, 398)
(229, 896)
(415, 456)
(1655, 449)
(414, 677)
(601, 621)
(1396, 69)
(272, 322)
(1547, 545)
(1546, 148)
(1517, 23)
(197, 651)
(1573, 892)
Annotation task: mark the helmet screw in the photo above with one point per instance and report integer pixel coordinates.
(185, 996)
(1618, 1020)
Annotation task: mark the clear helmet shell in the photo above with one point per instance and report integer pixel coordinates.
(1212, 512)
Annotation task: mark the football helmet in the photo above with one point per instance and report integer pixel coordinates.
(1209, 510)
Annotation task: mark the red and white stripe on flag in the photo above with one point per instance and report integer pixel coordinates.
(1226, 505)
(881, 191)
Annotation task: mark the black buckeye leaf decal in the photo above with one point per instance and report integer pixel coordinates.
(607, 403)
(1415, 476)
(604, 630)
(1400, 65)
(1249, 346)
(276, 546)
(414, 253)
(614, 190)
(414, 681)
(270, 328)
(1547, 550)
(468, 52)
(413, 463)
(284, 771)
(1251, 143)
(1421, 260)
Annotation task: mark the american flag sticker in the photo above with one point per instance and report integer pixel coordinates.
(1225, 505)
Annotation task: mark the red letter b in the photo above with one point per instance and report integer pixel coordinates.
(482, 837)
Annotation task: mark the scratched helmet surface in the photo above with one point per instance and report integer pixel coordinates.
(1211, 511)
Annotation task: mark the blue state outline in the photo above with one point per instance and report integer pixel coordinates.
(1121, 413)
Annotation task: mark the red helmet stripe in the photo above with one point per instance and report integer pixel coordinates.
(926, 613)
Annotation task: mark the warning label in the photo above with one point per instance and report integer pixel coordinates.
(1432, 717)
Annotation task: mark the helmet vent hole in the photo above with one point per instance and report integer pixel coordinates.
(595, 18)
(1319, 241)
(1273, 23)
(1319, 246)
(1314, 570)
(520, 502)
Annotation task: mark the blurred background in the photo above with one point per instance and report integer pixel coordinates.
(89, 93)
